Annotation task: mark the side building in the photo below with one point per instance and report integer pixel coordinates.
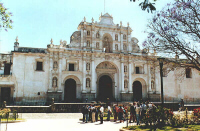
(102, 61)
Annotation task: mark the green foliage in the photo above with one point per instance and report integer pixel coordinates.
(5, 18)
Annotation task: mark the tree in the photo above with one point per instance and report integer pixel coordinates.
(175, 30)
(5, 18)
(147, 5)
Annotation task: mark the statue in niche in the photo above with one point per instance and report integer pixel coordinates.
(125, 68)
(97, 45)
(88, 83)
(97, 35)
(124, 47)
(116, 46)
(125, 84)
(55, 65)
(152, 85)
(88, 66)
(54, 82)
(88, 43)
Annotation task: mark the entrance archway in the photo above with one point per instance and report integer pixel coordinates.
(105, 88)
(70, 90)
(137, 91)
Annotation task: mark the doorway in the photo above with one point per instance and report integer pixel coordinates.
(105, 88)
(70, 90)
(137, 91)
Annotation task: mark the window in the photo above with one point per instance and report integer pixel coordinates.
(88, 33)
(137, 69)
(39, 66)
(188, 73)
(88, 43)
(71, 67)
(124, 37)
(116, 37)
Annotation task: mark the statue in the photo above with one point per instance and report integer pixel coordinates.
(125, 84)
(54, 82)
(88, 83)
(152, 85)
(88, 66)
(116, 46)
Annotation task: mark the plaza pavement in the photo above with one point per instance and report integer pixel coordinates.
(58, 122)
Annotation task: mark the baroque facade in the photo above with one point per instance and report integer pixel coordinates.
(102, 61)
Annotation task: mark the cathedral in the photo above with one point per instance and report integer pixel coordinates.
(101, 61)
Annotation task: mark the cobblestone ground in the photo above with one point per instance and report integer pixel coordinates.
(58, 122)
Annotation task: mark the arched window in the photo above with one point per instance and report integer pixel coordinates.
(124, 37)
(88, 82)
(54, 82)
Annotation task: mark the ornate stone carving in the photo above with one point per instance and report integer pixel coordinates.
(106, 65)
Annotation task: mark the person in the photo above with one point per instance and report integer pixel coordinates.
(90, 112)
(120, 113)
(115, 112)
(125, 112)
(101, 114)
(144, 109)
(109, 113)
(83, 112)
(137, 110)
(182, 104)
(96, 113)
(86, 113)
(93, 113)
(132, 111)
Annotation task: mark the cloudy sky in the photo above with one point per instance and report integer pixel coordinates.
(37, 21)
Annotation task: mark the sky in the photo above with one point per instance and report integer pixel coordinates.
(37, 21)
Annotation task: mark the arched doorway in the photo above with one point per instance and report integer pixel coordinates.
(70, 90)
(105, 88)
(137, 91)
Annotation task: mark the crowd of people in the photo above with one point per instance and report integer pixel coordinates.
(120, 112)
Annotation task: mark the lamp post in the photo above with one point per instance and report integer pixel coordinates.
(161, 78)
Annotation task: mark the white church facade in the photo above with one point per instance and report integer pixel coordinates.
(102, 61)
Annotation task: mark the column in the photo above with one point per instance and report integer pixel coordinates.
(60, 72)
(130, 78)
(116, 87)
(50, 72)
(122, 77)
(121, 39)
(93, 89)
(84, 77)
